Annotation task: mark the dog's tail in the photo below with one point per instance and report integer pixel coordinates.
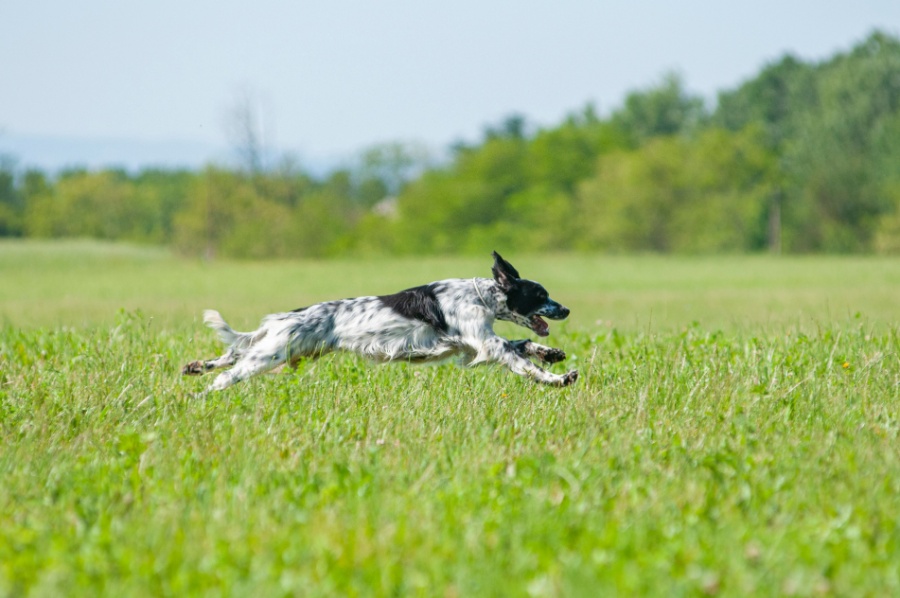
(214, 320)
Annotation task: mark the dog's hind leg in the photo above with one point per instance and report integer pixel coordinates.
(263, 357)
(527, 348)
(251, 364)
(196, 368)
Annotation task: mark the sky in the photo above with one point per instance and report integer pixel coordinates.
(153, 83)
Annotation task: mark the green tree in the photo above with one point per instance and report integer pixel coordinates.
(102, 205)
(562, 156)
(12, 202)
(436, 212)
(226, 215)
(679, 194)
(772, 100)
(386, 168)
(206, 217)
(666, 109)
(838, 171)
(826, 122)
(165, 193)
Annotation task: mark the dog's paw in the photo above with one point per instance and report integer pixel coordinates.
(551, 355)
(570, 378)
(194, 368)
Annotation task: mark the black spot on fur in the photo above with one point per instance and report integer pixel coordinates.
(525, 297)
(418, 303)
(298, 310)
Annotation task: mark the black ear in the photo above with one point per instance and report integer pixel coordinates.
(504, 273)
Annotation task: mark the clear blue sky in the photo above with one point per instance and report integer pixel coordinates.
(333, 77)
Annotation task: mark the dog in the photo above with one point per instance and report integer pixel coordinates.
(447, 318)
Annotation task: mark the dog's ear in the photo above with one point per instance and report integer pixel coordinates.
(504, 273)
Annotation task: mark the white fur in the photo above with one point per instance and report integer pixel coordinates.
(366, 326)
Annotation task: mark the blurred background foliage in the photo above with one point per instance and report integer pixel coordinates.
(803, 157)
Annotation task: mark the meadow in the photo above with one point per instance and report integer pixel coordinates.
(734, 432)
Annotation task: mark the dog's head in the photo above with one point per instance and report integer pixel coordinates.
(527, 302)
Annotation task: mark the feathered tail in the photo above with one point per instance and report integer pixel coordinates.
(214, 320)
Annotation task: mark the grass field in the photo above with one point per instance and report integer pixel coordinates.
(734, 432)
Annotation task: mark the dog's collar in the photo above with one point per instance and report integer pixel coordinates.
(477, 290)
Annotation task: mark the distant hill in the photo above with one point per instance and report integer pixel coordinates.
(53, 153)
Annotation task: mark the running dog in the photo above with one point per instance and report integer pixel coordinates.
(436, 321)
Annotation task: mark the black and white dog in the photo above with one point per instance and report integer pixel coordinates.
(443, 319)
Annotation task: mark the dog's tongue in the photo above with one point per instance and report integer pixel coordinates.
(540, 326)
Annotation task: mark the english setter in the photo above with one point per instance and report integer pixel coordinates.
(436, 321)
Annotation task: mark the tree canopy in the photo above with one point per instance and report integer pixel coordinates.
(802, 157)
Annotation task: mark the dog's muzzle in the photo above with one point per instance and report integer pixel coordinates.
(552, 310)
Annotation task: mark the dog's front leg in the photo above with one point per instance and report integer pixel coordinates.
(500, 350)
(527, 348)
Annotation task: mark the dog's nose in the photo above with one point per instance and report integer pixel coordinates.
(563, 311)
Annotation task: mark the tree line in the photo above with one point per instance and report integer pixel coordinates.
(803, 157)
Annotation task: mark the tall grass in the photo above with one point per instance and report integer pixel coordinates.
(755, 458)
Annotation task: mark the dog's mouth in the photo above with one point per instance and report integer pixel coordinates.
(540, 326)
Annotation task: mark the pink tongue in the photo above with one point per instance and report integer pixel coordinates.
(540, 326)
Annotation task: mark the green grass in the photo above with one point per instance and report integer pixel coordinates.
(84, 284)
(753, 452)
